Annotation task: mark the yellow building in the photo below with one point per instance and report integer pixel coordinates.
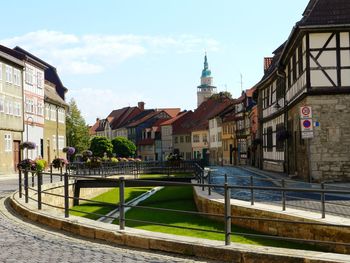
(11, 113)
(229, 140)
(55, 124)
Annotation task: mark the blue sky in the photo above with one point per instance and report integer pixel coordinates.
(112, 53)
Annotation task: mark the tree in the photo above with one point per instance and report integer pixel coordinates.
(221, 95)
(123, 147)
(100, 145)
(77, 130)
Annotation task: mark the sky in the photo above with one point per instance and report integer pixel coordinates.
(112, 54)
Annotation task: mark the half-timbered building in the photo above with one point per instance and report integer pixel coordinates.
(310, 71)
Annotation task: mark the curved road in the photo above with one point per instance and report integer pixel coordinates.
(21, 241)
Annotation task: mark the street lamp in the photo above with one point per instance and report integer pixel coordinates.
(27, 132)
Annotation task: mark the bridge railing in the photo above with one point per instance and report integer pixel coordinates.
(228, 215)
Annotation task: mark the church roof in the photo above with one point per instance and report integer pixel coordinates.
(206, 71)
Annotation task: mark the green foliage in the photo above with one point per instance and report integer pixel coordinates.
(40, 165)
(77, 130)
(221, 95)
(123, 147)
(100, 145)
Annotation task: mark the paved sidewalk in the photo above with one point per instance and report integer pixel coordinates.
(23, 242)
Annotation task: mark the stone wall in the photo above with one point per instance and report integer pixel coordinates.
(273, 166)
(330, 148)
(211, 205)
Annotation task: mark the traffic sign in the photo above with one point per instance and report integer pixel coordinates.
(306, 125)
(307, 135)
(305, 112)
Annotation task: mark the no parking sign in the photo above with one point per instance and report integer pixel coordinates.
(305, 112)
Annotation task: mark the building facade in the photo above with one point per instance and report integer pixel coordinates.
(11, 112)
(54, 124)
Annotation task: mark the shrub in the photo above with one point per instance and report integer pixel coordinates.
(94, 162)
(101, 146)
(123, 147)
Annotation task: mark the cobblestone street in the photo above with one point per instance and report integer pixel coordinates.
(24, 242)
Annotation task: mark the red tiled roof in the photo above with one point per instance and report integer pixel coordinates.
(171, 111)
(92, 129)
(199, 119)
(146, 118)
(127, 114)
(250, 92)
(174, 119)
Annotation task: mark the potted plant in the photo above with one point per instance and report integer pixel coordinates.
(27, 164)
(59, 162)
(28, 145)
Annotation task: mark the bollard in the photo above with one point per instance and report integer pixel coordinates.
(26, 185)
(39, 183)
(121, 204)
(283, 196)
(66, 196)
(227, 215)
(20, 183)
(252, 198)
(323, 201)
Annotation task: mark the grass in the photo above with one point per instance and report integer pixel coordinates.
(110, 197)
(181, 198)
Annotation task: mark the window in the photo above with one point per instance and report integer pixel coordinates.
(17, 109)
(181, 139)
(8, 143)
(29, 76)
(8, 74)
(47, 112)
(60, 142)
(176, 139)
(40, 109)
(300, 62)
(279, 141)
(196, 138)
(16, 77)
(205, 139)
(188, 156)
(269, 144)
(61, 115)
(188, 139)
(219, 136)
(53, 114)
(39, 78)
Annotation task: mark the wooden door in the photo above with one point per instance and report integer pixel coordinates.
(16, 154)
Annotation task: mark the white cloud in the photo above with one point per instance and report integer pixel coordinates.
(102, 101)
(91, 54)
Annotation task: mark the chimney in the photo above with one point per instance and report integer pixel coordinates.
(267, 63)
(141, 105)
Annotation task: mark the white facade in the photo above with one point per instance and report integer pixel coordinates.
(167, 140)
(33, 109)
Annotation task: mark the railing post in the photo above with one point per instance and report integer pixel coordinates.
(209, 179)
(323, 201)
(252, 198)
(202, 179)
(225, 178)
(61, 173)
(39, 182)
(66, 196)
(283, 196)
(121, 204)
(50, 173)
(227, 215)
(26, 185)
(19, 183)
(33, 179)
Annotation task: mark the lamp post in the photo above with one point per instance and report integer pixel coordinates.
(27, 132)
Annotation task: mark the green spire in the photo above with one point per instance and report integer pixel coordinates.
(206, 72)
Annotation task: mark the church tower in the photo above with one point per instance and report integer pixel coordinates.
(206, 89)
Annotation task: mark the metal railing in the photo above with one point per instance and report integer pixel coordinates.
(227, 216)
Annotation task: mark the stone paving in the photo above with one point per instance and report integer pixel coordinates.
(21, 242)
